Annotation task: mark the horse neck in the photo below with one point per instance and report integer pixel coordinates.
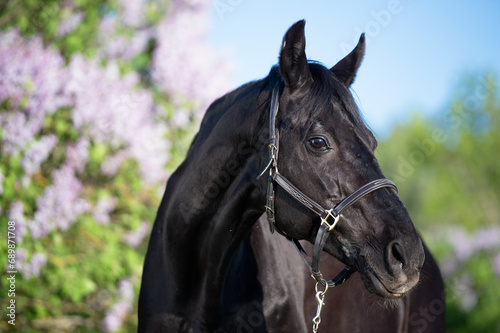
(211, 203)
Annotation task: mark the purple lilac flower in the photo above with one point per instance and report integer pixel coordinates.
(112, 163)
(21, 258)
(31, 76)
(180, 119)
(199, 5)
(31, 80)
(108, 108)
(137, 43)
(18, 131)
(132, 12)
(184, 65)
(115, 316)
(37, 153)
(69, 23)
(462, 243)
(113, 44)
(135, 237)
(77, 154)
(16, 213)
(465, 245)
(60, 204)
(467, 295)
(102, 210)
(38, 261)
(30, 269)
(449, 266)
(486, 238)
(126, 290)
(152, 154)
(105, 106)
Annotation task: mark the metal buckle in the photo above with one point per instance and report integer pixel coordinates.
(274, 159)
(324, 221)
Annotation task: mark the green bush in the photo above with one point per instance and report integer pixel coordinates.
(90, 128)
(447, 173)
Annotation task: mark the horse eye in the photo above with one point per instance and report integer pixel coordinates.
(318, 143)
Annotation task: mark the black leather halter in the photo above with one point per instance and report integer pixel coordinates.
(325, 214)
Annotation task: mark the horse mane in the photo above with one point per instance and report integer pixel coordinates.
(220, 106)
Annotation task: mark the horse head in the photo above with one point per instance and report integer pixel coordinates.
(327, 152)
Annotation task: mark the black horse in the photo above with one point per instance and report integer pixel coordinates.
(212, 264)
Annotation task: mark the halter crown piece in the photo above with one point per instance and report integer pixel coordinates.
(329, 217)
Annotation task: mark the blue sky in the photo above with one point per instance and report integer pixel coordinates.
(417, 50)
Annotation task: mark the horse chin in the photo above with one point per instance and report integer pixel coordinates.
(375, 284)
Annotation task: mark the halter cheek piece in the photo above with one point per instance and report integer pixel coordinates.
(329, 217)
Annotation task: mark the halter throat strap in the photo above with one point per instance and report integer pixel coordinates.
(329, 217)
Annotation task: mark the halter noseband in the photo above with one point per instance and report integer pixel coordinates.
(325, 214)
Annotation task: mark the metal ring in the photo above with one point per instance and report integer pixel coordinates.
(316, 287)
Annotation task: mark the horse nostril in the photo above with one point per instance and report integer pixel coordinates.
(396, 256)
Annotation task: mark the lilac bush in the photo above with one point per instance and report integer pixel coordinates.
(38, 152)
(60, 204)
(466, 247)
(112, 111)
(31, 80)
(92, 122)
(452, 195)
(182, 41)
(119, 310)
(16, 213)
(134, 238)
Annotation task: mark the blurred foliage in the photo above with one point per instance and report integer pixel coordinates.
(448, 175)
(33, 17)
(80, 275)
(45, 18)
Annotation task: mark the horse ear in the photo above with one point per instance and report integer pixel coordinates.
(346, 68)
(293, 61)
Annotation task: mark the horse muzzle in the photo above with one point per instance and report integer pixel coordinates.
(396, 273)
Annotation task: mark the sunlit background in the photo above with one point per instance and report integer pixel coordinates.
(99, 101)
(417, 51)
